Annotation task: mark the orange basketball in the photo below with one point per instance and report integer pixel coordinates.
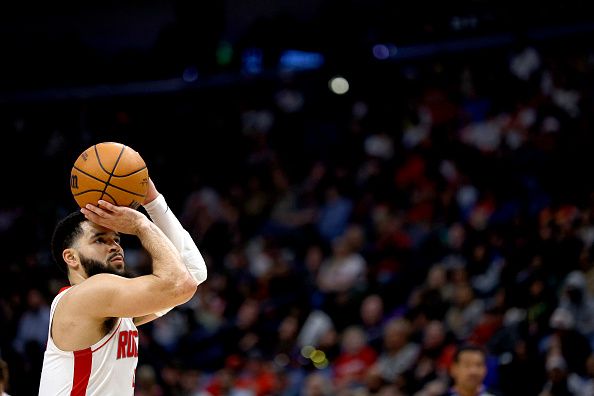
(110, 171)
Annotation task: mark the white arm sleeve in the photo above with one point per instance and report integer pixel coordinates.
(164, 218)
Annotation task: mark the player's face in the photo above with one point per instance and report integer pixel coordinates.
(94, 267)
(470, 370)
(100, 251)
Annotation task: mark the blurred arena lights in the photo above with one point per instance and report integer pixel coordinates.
(317, 356)
(224, 53)
(295, 60)
(339, 85)
(384, 51)
(190, 74)
(251, 60)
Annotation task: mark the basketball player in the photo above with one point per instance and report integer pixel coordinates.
(92, 345)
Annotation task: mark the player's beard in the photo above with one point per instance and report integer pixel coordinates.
(94, 267)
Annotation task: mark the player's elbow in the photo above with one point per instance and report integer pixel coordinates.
(186, 288)
(199, 276)
(178, 289)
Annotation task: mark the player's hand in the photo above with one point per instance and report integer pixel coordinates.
(117, 218)
(152, 192)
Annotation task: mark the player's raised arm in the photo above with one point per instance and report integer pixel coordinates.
(107, 295)
(165, 219)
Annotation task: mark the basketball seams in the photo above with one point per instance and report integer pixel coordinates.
(85, 192)
(131, 173)
(107, 183)
(124, 190)
(99, 160)
(110, 196)
(111, 173)
(88, 174)
(104, 191)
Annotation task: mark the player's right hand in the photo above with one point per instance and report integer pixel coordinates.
(117, 218)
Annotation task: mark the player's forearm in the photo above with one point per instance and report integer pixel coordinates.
(164, 218)
(167, 263)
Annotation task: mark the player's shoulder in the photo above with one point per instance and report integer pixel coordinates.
(86, 298)
(92, 287)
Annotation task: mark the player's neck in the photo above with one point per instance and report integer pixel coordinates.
(75, 278)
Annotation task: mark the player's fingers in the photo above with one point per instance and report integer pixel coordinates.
(110, 208)
(86, 212)
(96, 210)
(106, 205)
(90, 215)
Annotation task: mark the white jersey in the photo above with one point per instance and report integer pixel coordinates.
(106, 368)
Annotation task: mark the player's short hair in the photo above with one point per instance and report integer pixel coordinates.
(65, 234)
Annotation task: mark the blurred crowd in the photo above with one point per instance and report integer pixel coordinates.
(353, 242)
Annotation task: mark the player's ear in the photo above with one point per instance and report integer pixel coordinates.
(71, 258)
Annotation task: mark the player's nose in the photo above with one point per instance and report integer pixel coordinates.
(114, 246)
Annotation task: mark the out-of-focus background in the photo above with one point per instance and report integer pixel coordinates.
(371, 183)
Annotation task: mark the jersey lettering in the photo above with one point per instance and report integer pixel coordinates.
(127, 344)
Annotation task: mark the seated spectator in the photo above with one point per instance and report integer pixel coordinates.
(371, 317)
(556, 384)
(354, 360)
(3, 378)
(576, 297)
(317, 384)
(464, 313)
(583, 385)
(399, 353)
(435, 356)
(572, 345)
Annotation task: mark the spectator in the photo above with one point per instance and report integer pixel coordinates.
(317, 384)
(557, 375)
(399, 352)
(583, 385)
(465, 312)
(435, 357)
(565, 340)
(334, 214)
(468, 371)
(354, 360)
(33, 324)
(576, 298)
(146, 382)
(3, 378)
(371, 314)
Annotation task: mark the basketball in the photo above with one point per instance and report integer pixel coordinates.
(110, 171)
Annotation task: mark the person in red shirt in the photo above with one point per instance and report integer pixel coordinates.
(355, 358)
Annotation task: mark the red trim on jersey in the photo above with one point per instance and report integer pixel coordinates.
(110, 337)
(83, 361)
(64, 288)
